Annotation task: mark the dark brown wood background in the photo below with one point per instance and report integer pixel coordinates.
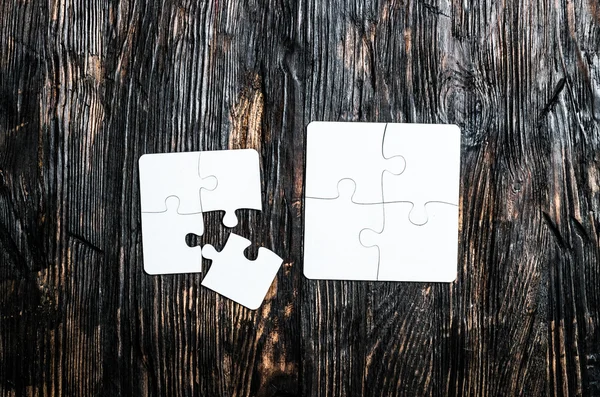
(86, 87)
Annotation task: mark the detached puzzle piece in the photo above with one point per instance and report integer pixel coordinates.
(172, 174)
(332, 249)
(163, 241)
(238, 182)
(416, 253)
(336, 151)
(432, 173)
(237, 278)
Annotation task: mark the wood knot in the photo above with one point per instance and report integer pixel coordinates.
(466, 101)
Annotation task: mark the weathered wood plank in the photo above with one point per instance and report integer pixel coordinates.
(87, 87)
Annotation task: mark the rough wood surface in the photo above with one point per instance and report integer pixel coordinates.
(86, 87)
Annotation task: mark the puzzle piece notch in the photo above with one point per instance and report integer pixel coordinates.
(407, 252)
(192, 240)
(418, 215)
(164, 175)
(237, 278)
(209, 183)
(432, 174)
(334, 152)
(164, 246)
(238, 182)
(332, 250)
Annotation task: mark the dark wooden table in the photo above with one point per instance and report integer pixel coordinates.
(86, 87)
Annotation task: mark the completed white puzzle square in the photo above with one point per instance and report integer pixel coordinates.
(381, 201)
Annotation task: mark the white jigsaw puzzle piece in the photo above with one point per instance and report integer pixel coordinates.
(163, 241)
(432, 154)
(340, 150)
(408, 252)
(172, 174)
(238, 182)
(332, 249)
(237, 278)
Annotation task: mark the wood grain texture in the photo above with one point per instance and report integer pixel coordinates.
(86, 87)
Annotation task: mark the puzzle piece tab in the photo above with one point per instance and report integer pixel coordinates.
(332, 249)
(163, 241)
(238, 182)
(416, 253)
(432, 153)
(237, 278)
(172, 174)
(336, 151)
